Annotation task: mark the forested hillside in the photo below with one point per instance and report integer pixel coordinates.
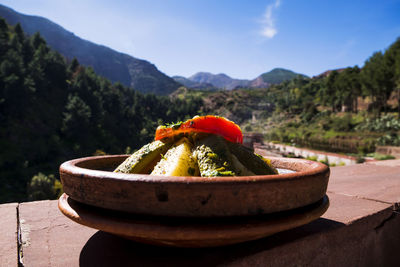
(52, 111)
(117, 67)
(351, 110)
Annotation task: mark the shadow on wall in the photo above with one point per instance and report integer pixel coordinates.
(104, 249)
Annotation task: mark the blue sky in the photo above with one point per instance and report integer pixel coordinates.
(240, 38)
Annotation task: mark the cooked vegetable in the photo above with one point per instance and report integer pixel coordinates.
(177, 161)
(252, 161)
(214, 158)
(206, 124)
(143, 160)
(268, 162)
(207, 146)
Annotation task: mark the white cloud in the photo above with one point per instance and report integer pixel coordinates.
(269, 28)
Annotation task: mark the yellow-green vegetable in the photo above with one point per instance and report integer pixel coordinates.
(252, 161)
(177, 161)
(143, 160)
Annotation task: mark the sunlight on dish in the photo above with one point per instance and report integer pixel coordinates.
(282, 171)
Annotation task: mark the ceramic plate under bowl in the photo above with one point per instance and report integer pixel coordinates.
(91, 181)
(189, 232)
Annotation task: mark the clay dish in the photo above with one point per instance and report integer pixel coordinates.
(189, 232)
(91, 181)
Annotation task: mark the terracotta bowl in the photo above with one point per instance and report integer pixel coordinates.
(91, 181)
(189, 232)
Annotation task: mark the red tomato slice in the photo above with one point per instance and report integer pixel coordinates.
(206, 124)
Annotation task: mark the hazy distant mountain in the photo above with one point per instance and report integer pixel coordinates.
(223, 81)
(194, 85)
(116, 66)
(274, 76)
(219, 80)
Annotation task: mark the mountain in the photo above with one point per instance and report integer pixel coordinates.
(274, 76)
(223, 81)
(118, 67)
(194, 85)
(326, 73)
(218, 80)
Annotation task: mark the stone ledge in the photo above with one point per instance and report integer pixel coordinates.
(379, 181)
(359, 229)
(354, 232)
(8, 235)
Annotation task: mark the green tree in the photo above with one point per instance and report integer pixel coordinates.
(392, 60)
(73, 66)
(348, 88)
(3, 37)
(376, 81)
(328, 92)
(77, 120)
(43, 187)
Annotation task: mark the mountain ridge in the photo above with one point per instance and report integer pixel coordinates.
(223, 81)
(130, 71)
(278, 75)
(220, 80)
(116, 66)
(194, 85)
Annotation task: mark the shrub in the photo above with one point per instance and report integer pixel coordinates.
(44, 187)
(325, 161)
(360, 159)
(378, 156)
(99, 152)
(383, 124)
(389, 139)
(342, 123)
(248, 128)
(313, 158)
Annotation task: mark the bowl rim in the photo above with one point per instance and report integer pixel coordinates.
(70, 167)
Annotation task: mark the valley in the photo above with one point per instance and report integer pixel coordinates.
(55, 106)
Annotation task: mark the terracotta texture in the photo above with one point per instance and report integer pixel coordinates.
(376, 180)
(355, 231)
(48, 238)
(365, 237)
(8, 235)
(91, 181)
(189, 232)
